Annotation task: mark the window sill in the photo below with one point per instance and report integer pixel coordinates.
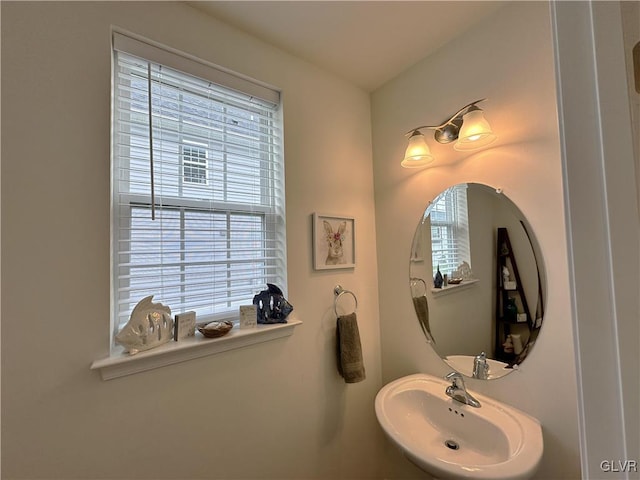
(437, 292)
(121, 364)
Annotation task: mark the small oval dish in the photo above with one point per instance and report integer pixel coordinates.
(215, 329)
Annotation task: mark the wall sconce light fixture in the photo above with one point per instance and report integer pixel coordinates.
(468, 126)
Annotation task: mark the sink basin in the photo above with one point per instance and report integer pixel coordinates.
(464, 365)
(451, 440)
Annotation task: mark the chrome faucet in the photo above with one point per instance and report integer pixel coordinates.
(458, 392)
(480, 367)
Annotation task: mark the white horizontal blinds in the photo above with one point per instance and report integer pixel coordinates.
(450, 230)
(182, 62)
(218, 234)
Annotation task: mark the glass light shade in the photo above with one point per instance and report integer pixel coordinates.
(417, 154)
(475, 131)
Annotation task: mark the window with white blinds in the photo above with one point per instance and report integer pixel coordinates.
(198, 189)
(450, 230)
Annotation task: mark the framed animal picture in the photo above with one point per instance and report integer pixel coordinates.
(334, 242)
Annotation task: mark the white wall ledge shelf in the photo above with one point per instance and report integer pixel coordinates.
(121, 364)
(437, 292)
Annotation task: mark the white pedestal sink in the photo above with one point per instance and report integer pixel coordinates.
(451, 440)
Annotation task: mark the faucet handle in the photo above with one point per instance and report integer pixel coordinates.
(455, 377)
(452, 375)
(458, 391)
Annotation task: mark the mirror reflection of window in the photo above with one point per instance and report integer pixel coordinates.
(450, 230)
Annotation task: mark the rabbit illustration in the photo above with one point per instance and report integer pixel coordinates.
(335, 255)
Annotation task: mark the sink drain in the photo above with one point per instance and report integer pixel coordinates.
(452, 444)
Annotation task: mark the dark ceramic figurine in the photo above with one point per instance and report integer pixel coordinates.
(271, 305)
(438, 280)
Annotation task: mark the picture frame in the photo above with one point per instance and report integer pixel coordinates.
(334, 242)
(184, 326)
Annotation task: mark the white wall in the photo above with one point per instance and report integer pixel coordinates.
(507, 58)
(274, 410)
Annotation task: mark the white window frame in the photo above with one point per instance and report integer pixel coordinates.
(450, 230)
(128, 201)
(194, 162)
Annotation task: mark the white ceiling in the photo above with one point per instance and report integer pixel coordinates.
(365, 42)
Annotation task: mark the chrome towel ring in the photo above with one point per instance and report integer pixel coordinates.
(338, 292)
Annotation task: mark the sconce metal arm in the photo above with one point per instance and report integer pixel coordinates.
(455, 119)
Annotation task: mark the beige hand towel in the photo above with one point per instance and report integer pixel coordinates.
(350, 363)
(422, 310)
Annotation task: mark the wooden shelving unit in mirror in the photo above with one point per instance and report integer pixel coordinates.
(513, 317)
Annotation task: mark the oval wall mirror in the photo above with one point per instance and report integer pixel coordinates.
(477, 281)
